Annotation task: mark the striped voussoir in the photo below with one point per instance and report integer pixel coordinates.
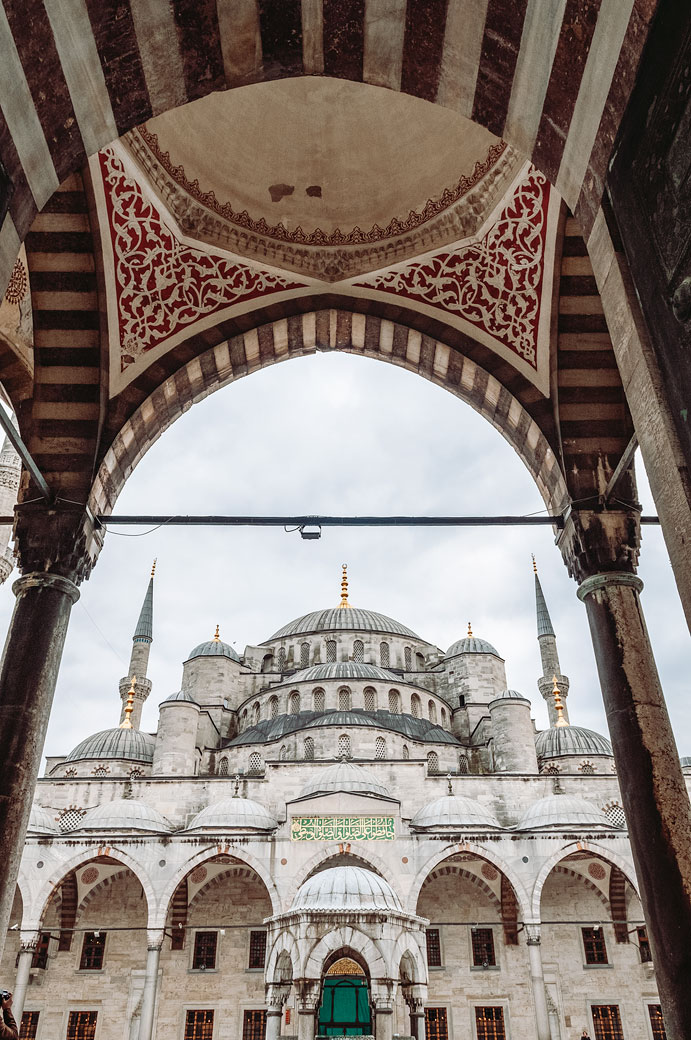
(554, 88)
(329, 329)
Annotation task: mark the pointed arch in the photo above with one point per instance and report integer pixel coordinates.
(625, 866)
(347, 938)
(357, 849)
(481, 852)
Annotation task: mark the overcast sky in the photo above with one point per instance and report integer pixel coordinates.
(348, 435)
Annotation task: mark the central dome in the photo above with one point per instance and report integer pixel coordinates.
(346, 888)
(351, 619)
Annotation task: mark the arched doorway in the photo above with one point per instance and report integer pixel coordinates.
(344, 1009)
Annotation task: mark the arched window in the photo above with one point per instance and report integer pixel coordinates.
(283, 753)
(223, 767)
(344, 746)
(370, 698)
(384, 657)
(406, 752)
(319, 700)
(408, 656)
(273, 707)
(443, 716)
(256, 713)
(394, 702)
(551, 770)
(331, 651)
(380, 748)
(294, 703)
(420, 662)
(415, 706)
(309, 749)
(344, 700)
(463, 765)
(101, 771)
(254, 764)
(586, 767)
(432, 763)
(243, 719)
(358, 651)
(432, 711)
(614, 812)
(282, 659)
(304, 655)
(268, 663)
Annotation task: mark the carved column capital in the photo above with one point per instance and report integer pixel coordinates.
(28, 940)
(596, 541)
(61, 539)
(154, 938)
(533, 934)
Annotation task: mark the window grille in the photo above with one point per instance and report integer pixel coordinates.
(607, 1022)
(594, 946)
(432, 763)
(586, 767)
(199, 1025)
(223, 767)
(370, 699)
(282, 659)
(204, 955)
(483, 947)
(101, 771)
(463, 765)
(408, 657)
(40, 957)
(344, 700)
(92, 951)
(551, 770)
(644, 950)
(282, 754)
(273, 707)
(253, 1025)
(344, 745)
(257, 949)
(309, 749)
(358, 651)
(294, 703)
(81, 1025)
(29, 1025)
(384, 657)
(615, 814)
(489, 1022)
(431, 711)
(70, 819)
(433, 948)
(436, 1025)
(331, 651)
(304, 655)
(380, 748)
(254, 764)
(319, 700)
(136, 773)
(415, 706)
(394, 702)
(657, 1022)
(406, 752)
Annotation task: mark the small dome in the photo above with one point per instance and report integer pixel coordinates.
(571, 740)
(560, 810)
(471, 645)
(511, 695)
(346, 888)
(336, 619)
(685, 762)
(41, 821)
(234, 814)
(214, 648)
(124, 814)
(130, 744)
(181, 696)
(343, 670)
(453, 811)
(346, 777)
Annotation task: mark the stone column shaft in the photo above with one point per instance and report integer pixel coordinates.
(417, 1023)
(307, 1021)
(273, 1023)
(383, 1027)
(652, 785)
(28, 674)
(537, 979)
(21, 982)
(150, 993)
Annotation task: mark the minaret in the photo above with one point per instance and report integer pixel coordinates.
(139, 659)
(551, 669)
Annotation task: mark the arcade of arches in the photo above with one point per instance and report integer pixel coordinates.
(461, 187)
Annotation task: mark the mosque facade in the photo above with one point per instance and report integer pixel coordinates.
(343, 831)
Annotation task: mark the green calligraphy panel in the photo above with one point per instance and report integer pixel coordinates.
(342, 828)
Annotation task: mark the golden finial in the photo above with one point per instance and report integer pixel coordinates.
(153, 567)
(470, 631)
(559, 707)
(344, 587)
(129, 707)
(534, 563)
(217, 637)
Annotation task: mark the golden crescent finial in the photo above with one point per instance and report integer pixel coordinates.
(129, 707)
(153, 567)
(217, 637)
(534, 563)
(559, 707)
(344, 586)
(470, 631)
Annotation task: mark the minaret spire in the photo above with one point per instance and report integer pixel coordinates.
(551, 677)
(139, 659)
(344, 587)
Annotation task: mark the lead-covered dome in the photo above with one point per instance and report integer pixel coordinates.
(129, 744)
(471, 645)
(242, 814)
(451, 812)
(351, 619)
(571, 740)
(346, 888)
(214, 648)
(41, 821)
(124, 814)
(346, 777)
(343, 670)
(181, 697)
(560, 810)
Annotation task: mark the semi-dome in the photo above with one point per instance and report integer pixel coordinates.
(471, 645)
(453, 811)
(124, 814)
(347, 777)
(182, 696)
(214, 648)
(41, 821)
(560, 810)
(343, 670)
(346, 888)
(571, 740)
(234, 814)
(129, 744)
(335, 619)
(268, 730)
